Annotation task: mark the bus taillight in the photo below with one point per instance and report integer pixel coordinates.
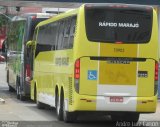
(156, 71)
(34, 17)
(77, 69)
(28, 72)
(156, 78)
(77, 75)
(119, 42)
(118, 6)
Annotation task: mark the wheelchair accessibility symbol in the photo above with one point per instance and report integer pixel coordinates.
(92, 75)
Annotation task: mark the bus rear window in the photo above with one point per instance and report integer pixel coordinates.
(127, 24)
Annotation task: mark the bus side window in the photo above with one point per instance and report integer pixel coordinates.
(53, 34)
(42, 40)
(72, 32)
(60, 35)
(66, 33)
(48, 37)
(20, 31)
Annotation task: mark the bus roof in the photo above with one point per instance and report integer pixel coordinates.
(75, 11)
(59, 16)
(38, 15)
(115, 4)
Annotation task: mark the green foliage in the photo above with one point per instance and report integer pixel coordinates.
(3, 20)
(15, 35)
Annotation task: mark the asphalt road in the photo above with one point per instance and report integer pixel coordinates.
(25, 114)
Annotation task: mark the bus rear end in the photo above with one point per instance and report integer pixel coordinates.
(119, 72)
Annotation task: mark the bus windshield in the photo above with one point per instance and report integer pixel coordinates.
(125, 24)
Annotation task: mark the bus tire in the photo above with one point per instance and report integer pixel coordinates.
(35, 93)
(17, 88)
(68, 117)
(11, 89)
(22, 97)
(8, 76)
(59, 107)
(40, 105)
(17, 92)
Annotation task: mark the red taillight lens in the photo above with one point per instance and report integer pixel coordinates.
(119, 6)
(77, 69)
(28, 71)
(34, 17)
(119, 42)
(156, 71)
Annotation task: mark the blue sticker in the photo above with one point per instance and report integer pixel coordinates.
(92, 75)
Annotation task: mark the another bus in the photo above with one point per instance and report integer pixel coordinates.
(99, 58)
(19, 58)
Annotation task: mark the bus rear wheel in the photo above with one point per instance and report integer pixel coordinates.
(67, 116)
(8, 76)
(40, 105)
(17, 92)
(11, 89)
(22, 97)
(17, 89)
(59, 108)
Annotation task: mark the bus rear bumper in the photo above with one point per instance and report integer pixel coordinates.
(127, 104)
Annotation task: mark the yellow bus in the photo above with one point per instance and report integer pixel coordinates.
(99, 58)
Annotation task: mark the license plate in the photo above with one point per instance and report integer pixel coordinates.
(116, 99)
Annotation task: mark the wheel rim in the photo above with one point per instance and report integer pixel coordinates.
(17, 91)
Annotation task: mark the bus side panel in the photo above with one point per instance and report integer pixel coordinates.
(15, 37)
(63, 75)
(54, 69)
